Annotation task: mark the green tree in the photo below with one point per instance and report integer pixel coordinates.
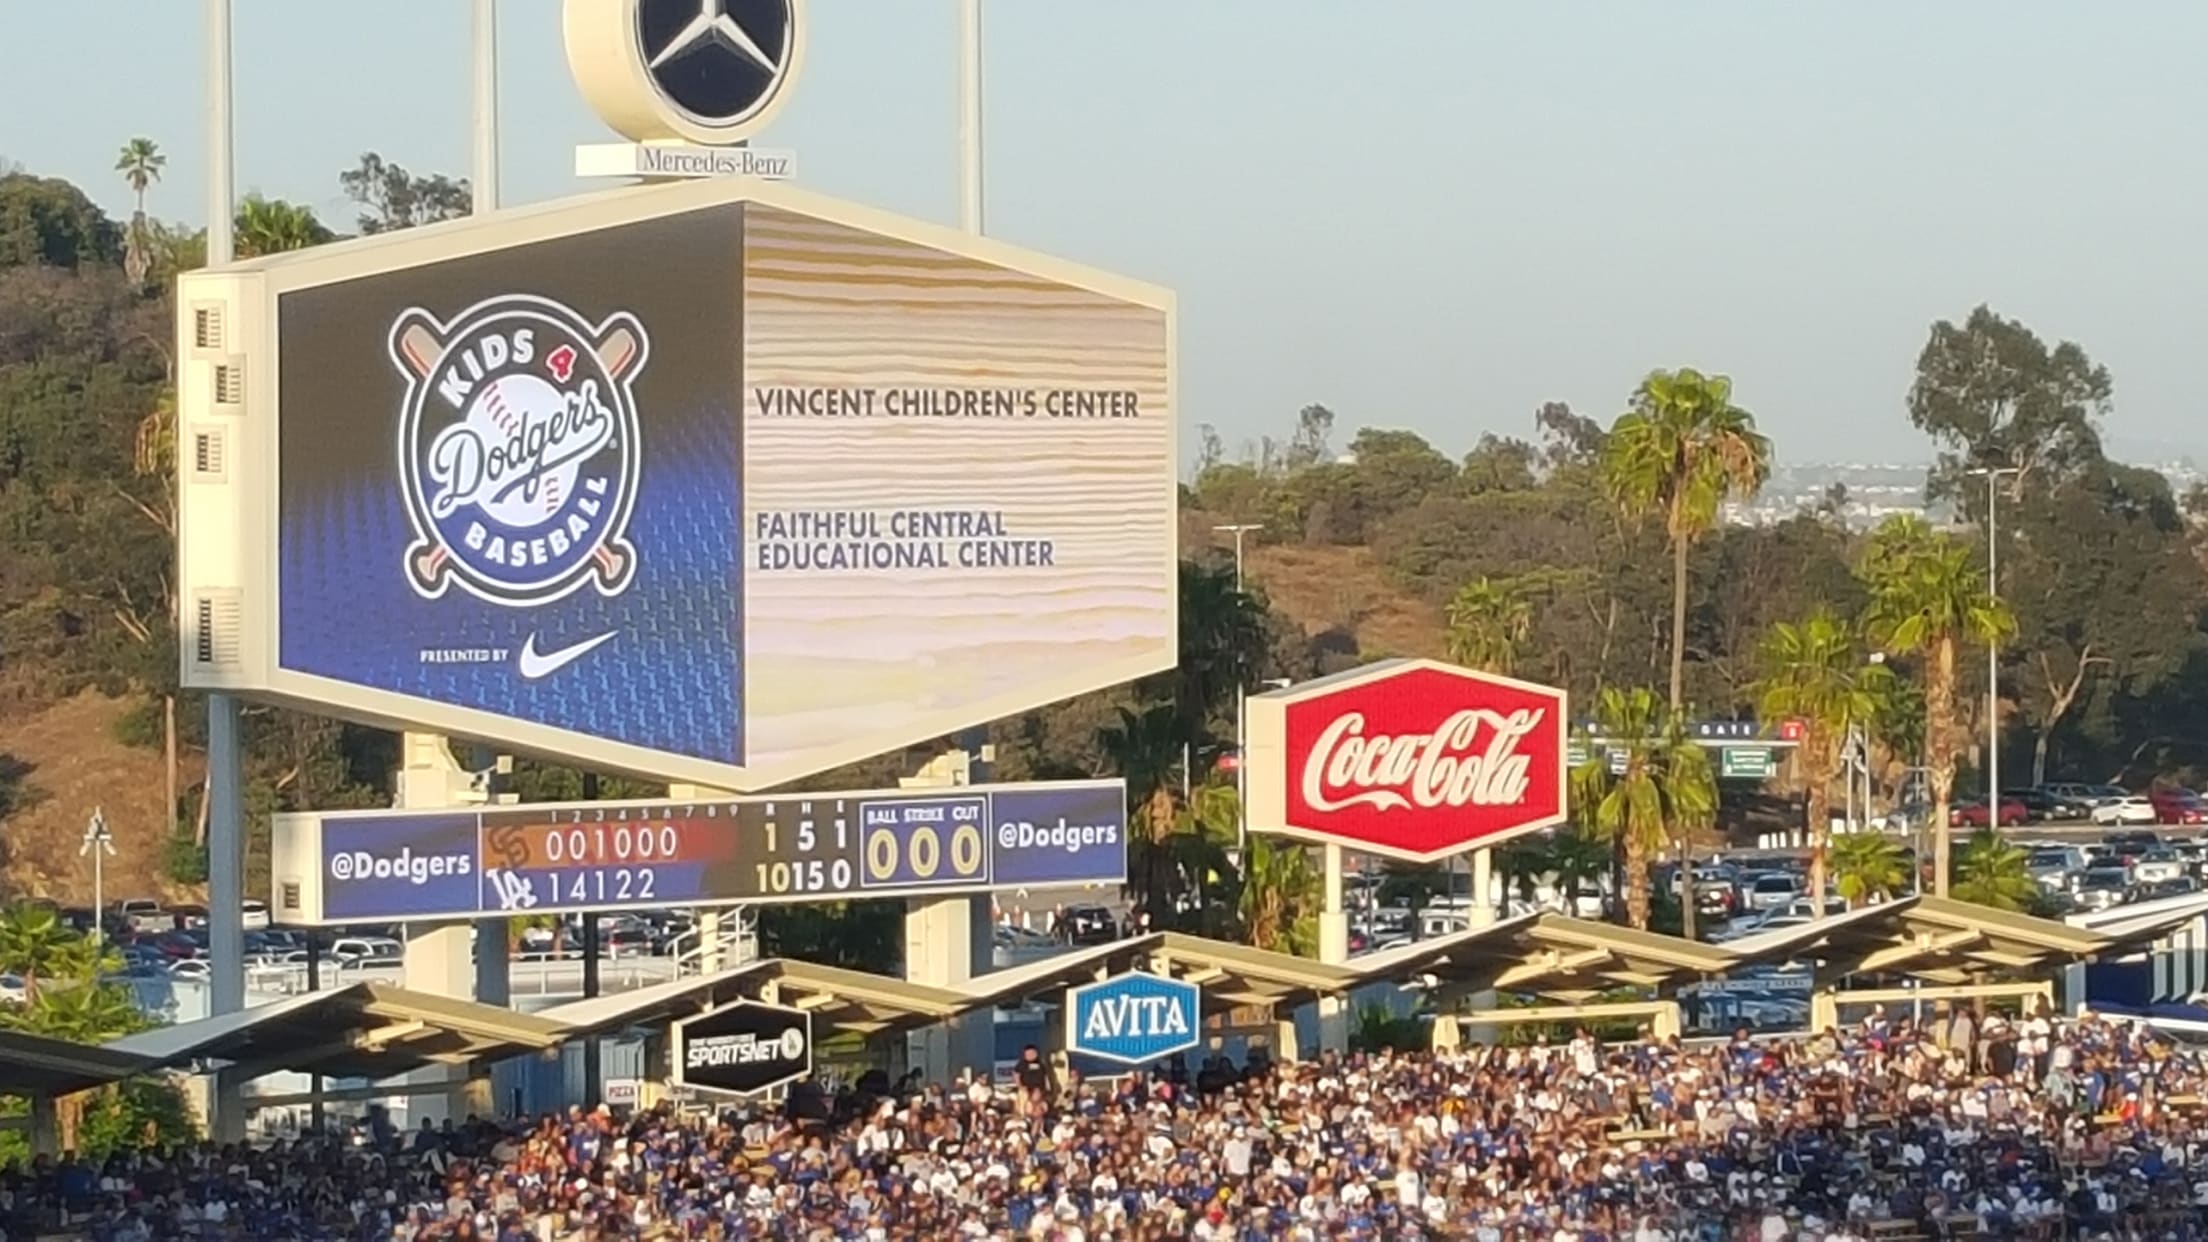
(1488, 626)
(1666, 790)
(1815, 672)
(1281, 897)
(1223, 644)
(1867, 866)
(1204, 830)
(1680, 452)
(268, 226)
(140, 163)
(392, 198)
(1992, 394)
(2078, 544)
(49, 222)
(36, 945)
(1146, 748)
(1992, 872)
(69, 999)
(1925, 598)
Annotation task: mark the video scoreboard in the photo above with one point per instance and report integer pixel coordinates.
(421, 866)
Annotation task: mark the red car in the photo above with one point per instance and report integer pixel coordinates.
(1972, 813)
(2178, 805)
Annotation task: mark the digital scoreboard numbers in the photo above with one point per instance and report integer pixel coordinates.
(920, 843)
(414, 867)
(796, 848)
(609, 855)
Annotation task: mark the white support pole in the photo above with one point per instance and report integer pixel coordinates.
(225, 764)
(1993, 661)
(1333, 951)
(970, 216)
(493, 968)
(221, 179)
(483, 177)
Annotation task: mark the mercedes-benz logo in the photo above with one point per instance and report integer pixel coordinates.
(703, 71)
(718, 61)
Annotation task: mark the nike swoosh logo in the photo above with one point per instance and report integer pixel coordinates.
(534, 664)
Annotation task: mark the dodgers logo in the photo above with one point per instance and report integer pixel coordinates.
(518, 449)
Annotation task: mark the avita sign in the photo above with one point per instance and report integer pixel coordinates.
(1414, 759)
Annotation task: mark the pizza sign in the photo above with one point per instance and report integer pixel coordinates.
(1414, 759)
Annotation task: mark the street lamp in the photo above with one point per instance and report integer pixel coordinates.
(100, 844)
(1993, 649)
(1241, 695)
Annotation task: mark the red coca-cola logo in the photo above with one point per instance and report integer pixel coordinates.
(1421, 759)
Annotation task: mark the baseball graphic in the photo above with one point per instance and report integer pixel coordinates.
(502, 412)
(518, 443)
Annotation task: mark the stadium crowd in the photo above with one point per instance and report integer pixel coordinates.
(2029, 1128)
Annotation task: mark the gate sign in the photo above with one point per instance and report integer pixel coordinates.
(1413, 759)
(745, 1048)
(1133, 1018)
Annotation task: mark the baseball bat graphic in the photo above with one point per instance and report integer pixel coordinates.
(420, 348)
(429, 565)
(618, 352)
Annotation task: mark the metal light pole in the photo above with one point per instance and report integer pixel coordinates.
(1993, 650)
(969, 116)
(1241, 698)
(225, 760)
(483, 180)
(100, 844)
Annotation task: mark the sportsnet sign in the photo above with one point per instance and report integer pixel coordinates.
(744, 1048)
(1413, 759)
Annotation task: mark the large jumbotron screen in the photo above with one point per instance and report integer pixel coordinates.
(725, 483)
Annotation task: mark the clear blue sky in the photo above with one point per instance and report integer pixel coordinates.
(1431, 214)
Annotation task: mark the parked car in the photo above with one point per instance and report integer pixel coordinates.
(2051, 865)
(2129, 809)
(2044, 803)
(1971, 813)
(12, 988)
(2100, 887)
(1086, 925)
(2158, 865)
(2178, 805)
(1772, 890)
(358, 951)
(2127, 847)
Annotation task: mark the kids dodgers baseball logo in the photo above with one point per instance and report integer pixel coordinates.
(518, 449)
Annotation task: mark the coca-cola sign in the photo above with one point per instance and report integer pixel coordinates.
(1411, 758)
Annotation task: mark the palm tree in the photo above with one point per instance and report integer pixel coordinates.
(1814, 672)
(140, 163)
(1146, 749)
(1867, 866)
(36, 945)
(1488, 625)
(1281, 896)
(1994, 873)
(1926, 598)
(1222, 644)
(1681, 452)
(272, 226)
(1666, 789)
(1203, 831)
